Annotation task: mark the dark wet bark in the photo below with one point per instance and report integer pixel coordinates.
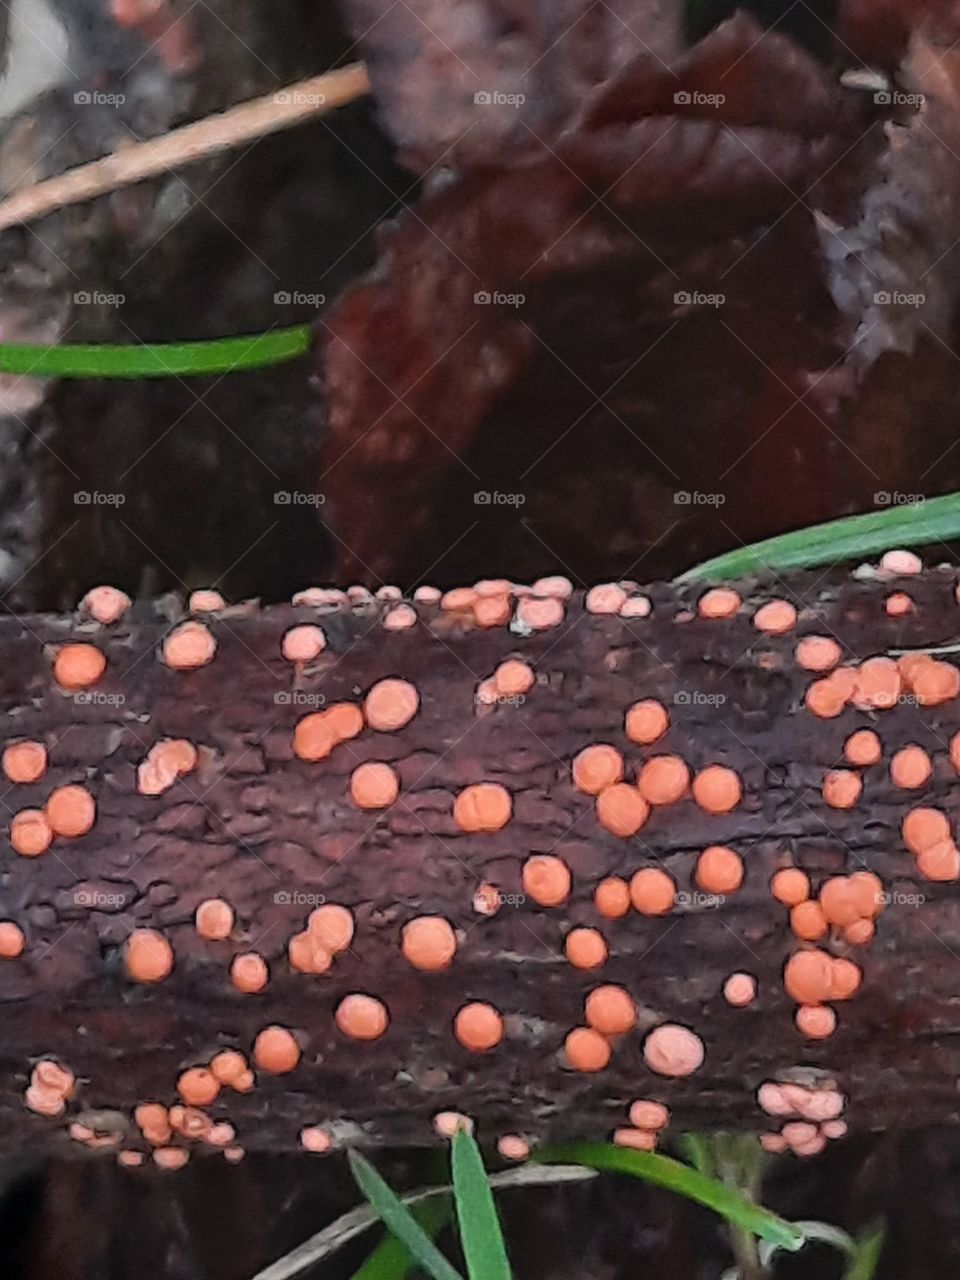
(267, 831)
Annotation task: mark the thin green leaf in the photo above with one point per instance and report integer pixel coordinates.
(400, 1220)
(696, 1148)
(155, 360)
(392, 1260)
(869, 1247)
(933, 520)
(480, 1234)
(662, 1171)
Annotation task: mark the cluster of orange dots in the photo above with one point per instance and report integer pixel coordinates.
(811, 1116)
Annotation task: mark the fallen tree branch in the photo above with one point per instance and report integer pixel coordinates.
(282, 109)
(275, 835)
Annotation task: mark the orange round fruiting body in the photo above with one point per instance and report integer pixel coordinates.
(540, 615)
(374, 786)
(862, 748)
(605, 598)
(344, 720)
(663, 779)
(911, 767)
(808, 976)
(484, 806)
(868, 892)
(719, 602)
(478, 1027)
(205, 600)
(333, 926)
(776, 617)
(170, 1157)
(646, 722)
(808, 921)
(214, 919)
(935, 683)
(612, 898)
(12, 941)
(228, 1066)
(276, 1050)
(636, 1139)
(546, 879)
(585, 948)
(842, 788)
(70, 811)
(597, 767)
(586, 1050)
(940, 862)
(877, 684)
(313, 737)
(740, 989)
(512, 1147)
(923, 827)
(391, 704)
(106, 604)
(362, 1017)
(860, 933)
(189, 646)
(30, 833)
(719, 870)
(78, 666)
(249, 972)
(622, 810)
(817, 653)
(672, 1050)
(901, 562)
(513, 678)
(315, 1140)
(303, 643)
(198, 1087)
(898, 605)
(24, 762)
(839, 901)
(790, 886)
(652, 891)
(428, 943)
(816, 1021)
(448, 1123)
(645, 1114)
(611, 1011)
(147, 956)
(717, 789)
(307, 954)
(845, 978)
(487, 900)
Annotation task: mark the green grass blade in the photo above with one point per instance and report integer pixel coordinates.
(155, 360)
(662, 1171)
(392, 1260)
(933, 520)
(400, 1220)
(480, 1234)
(869, 1247)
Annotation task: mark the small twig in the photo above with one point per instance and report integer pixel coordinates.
(281, 109)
